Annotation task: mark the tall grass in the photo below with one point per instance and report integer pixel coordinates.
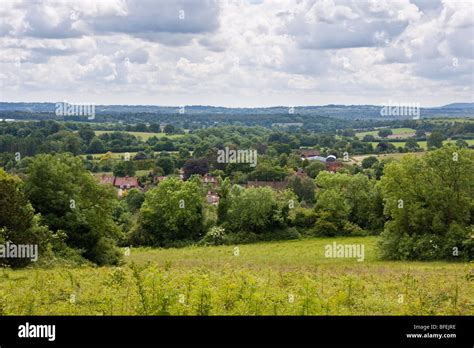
(260, 281)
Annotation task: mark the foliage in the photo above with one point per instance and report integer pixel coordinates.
(18, 222)
(124, 168)
(368, 162)
(167, 164)
(69, 199)
(383, 133)
(256, 210)
(303, 187)
(195, 166)
(172, 211)
(354, 198)
(215, 236)
(412, 145)
(134, 199)
(435, 139)
(429, 201)
(303, 218)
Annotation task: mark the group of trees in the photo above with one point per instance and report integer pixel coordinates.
(429, 203)
(30, 138)
(58, 205)
(347, 204)
(423, 206)
(61, 208)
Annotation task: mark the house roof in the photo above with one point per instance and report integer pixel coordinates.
(317, 158)
(126, 181)
(309, 152)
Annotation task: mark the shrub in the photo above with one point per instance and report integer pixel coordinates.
(255, 210)
(104, 252)
(324, 226)
(72, 201)
(215, 236)
(353, 229)
(303, 218)
(429, 203)
(172, 211)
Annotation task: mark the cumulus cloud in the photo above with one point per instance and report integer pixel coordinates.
(237, 52)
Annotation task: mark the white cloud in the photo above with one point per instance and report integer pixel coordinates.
(237, 52)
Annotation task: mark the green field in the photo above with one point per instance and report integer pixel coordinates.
(423, 143)
(144, 135)
(275, 278)
(449, 119)
(395, 156)
(396, 131)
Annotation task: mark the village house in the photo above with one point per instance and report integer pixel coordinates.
(212, 198)
(332, 165)
(121, 183)
(126, 182)
(309, 154)
(209, 179)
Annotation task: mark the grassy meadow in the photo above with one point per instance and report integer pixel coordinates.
(394, 156)
(273, 278)
(395, 131)
(423, 144)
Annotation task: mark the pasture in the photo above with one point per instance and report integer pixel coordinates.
(272, 278)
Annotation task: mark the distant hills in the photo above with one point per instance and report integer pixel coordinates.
(352, 112)
(458, 106)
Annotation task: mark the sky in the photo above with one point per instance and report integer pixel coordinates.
(237, 53)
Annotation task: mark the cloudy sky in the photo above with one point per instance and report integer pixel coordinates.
(237, 52)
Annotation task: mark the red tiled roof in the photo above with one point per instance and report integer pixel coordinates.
(128, 181)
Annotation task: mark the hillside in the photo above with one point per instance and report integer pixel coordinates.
(278, 278)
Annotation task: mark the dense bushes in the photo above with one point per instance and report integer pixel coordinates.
(18, 222)
(347, 204)
(424, 204)
(429, 201)
(74, 220)
(256, 210)
(70, 200)
(171, 212)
